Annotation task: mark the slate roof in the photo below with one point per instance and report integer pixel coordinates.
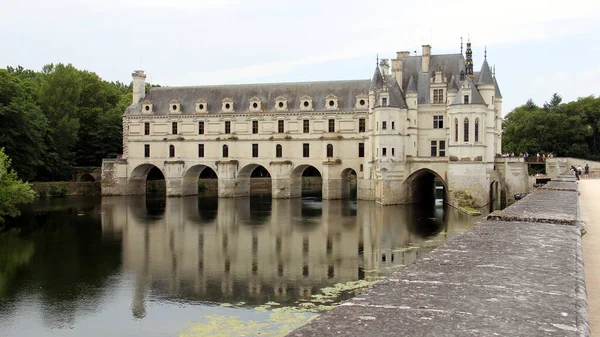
(450, 64)
(345, 91)
(474, 95)
(485, 75)
(413, 81)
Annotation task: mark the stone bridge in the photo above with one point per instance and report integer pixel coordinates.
(388, 182)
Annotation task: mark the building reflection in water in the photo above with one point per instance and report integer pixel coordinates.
(259, 249)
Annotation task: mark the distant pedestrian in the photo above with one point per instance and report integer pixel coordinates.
(538, 156)
(574, 169)
(586, 171)
(579, 170)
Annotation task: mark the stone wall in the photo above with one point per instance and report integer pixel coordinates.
(517, 273)
(60, 188)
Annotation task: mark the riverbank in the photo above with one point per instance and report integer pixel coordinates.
(65, 188)
(517, 273)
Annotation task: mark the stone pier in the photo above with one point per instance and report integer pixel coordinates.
(517, 273)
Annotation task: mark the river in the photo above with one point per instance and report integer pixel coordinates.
(201, 266)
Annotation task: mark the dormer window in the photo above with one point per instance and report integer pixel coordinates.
(466, 99)
(384, 101)
(331, 102)
(174, 106)
(227, 105)
(201, 105)
(147, 107)
(462, 75)
(280, 103)
(255, 104)
(438, 96)
(361, 102)
(306, 103)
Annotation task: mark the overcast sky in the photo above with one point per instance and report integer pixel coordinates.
(538, 46)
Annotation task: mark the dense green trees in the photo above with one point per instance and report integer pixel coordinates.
(58, 118)
(564, 129)
(12, 190)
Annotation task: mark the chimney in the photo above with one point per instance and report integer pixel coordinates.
(139, 85)
(397, 65)
(425, 58)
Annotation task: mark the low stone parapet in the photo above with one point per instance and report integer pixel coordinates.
(517, 273)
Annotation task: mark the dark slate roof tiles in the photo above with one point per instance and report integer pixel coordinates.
(345, 91)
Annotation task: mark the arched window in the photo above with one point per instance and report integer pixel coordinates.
(329, 150)
(225, 151)
(171, 151)
(456, 129)
(476, 129)
(278, 151)
(466, 130)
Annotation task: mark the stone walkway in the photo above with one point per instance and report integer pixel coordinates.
(590, 213)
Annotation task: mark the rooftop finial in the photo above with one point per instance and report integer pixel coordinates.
(461, 45)
(485, 52)
(469, 59)
(377, 62)
(494, 71)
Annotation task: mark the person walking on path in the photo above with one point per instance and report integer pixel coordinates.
(579, 170)
(574, 169)
(586, 171)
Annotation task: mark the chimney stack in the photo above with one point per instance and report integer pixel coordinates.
(397, 65)
(425, 58)
(139, 85)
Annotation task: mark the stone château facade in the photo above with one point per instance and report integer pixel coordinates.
(425, 118)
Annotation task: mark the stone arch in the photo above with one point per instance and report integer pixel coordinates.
(87, 178)
(494, 197)
(191, 177)
(349, 180)
(138, 178)
(308, 184)
(420, 186)
(245, 180)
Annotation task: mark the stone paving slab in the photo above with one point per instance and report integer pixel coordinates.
(545, 206)
(499, 278)
(560, 185)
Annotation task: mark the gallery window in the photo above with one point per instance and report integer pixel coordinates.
(225, 151)
(329, 151)
(278, 151)
(171, 151)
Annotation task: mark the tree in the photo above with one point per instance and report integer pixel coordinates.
(529, 128)
(23, 126)
(13, 191)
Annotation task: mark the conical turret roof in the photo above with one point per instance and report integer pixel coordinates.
(485, 75)
(411, 88)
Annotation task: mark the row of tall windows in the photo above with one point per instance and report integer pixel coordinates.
(280, 126)
(466, 129)
(278, 150)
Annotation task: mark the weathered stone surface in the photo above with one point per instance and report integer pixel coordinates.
(546, 206)
(499, 278)
(561, 185)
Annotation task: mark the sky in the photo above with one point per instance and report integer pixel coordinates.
(538, 47)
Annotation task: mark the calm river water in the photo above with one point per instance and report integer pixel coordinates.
(201, 266)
